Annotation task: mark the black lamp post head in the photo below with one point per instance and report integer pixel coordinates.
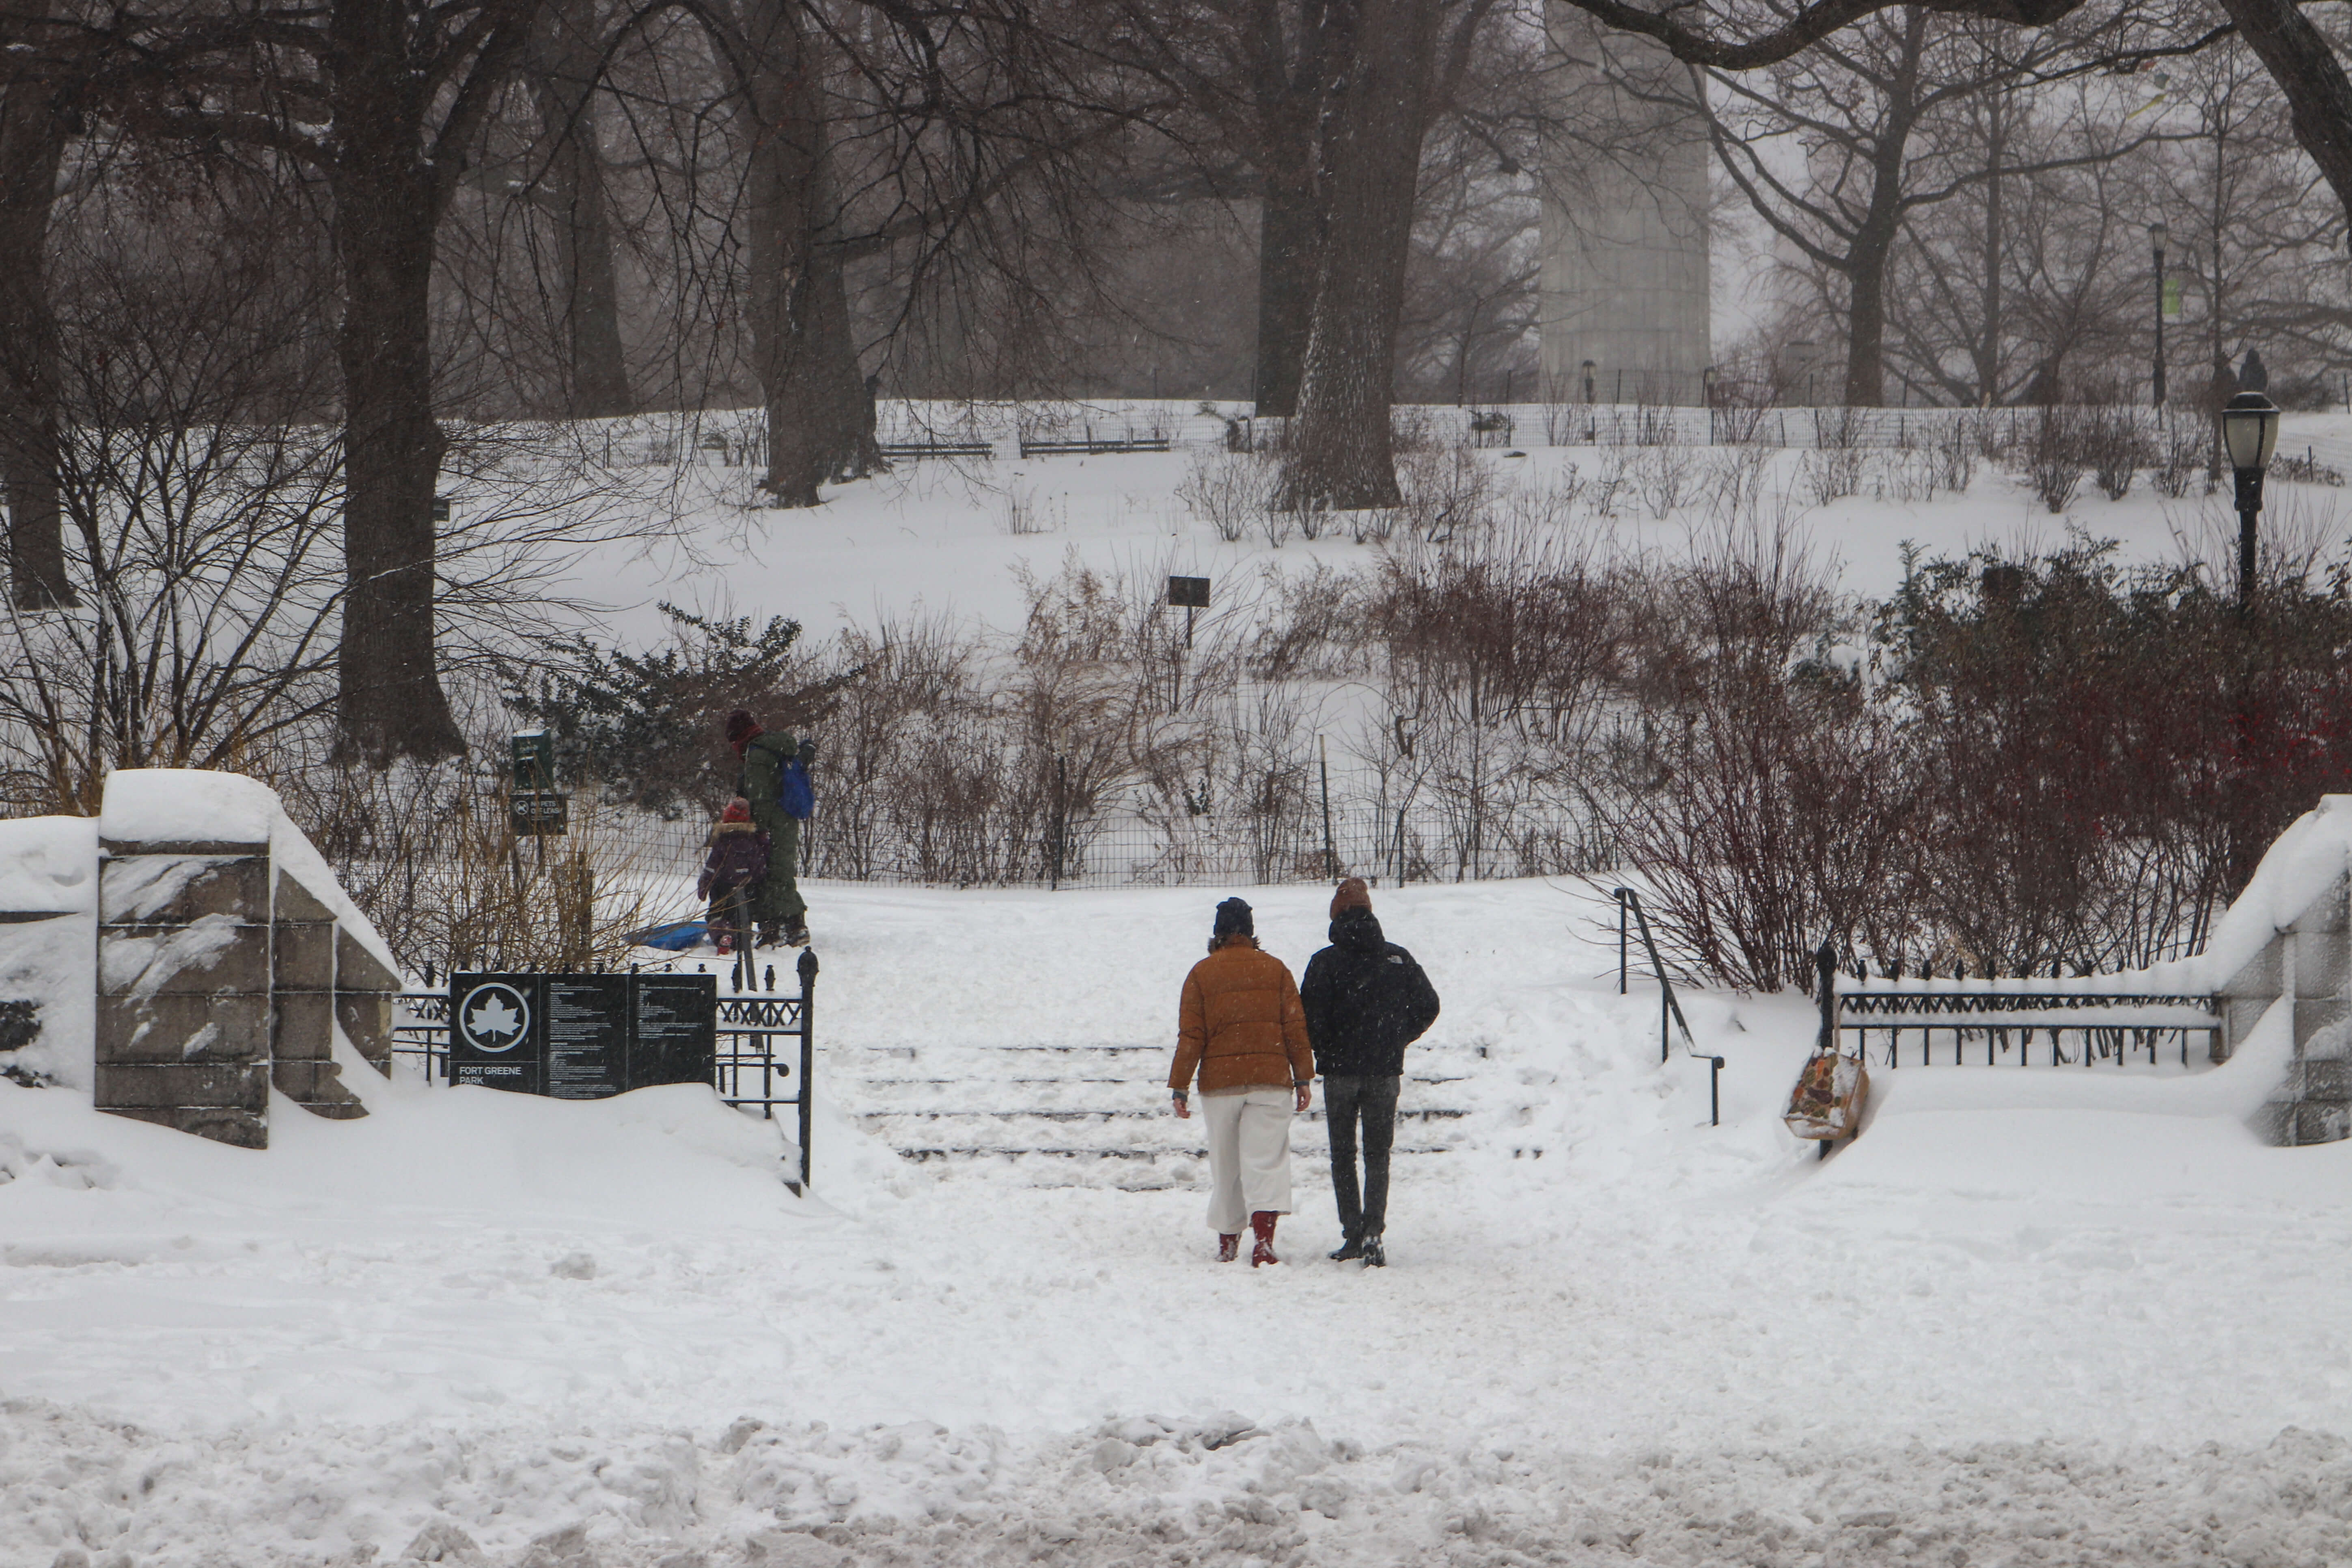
(2249, 428)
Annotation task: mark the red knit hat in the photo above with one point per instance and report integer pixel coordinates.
(737, 810)
(1352, 895)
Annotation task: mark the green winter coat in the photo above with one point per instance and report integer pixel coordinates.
(760, 781)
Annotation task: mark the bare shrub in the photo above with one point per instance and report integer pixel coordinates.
(1446, 489)
(1833, 473)
(1609, 482)
(2054, 460)
(2116, 446)
(1662, 476)
(1956, 458)
(430, 858)
(2177, 470)
(1493, 662)
(1761, 795)
(1733, 486)
(1232, 492)
(1021, 511)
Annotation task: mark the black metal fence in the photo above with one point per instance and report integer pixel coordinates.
(766, 1041)
(2001, 1023)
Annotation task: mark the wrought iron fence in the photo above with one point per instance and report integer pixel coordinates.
(766, 1039)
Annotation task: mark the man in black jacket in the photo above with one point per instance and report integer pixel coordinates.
(1366, 1001)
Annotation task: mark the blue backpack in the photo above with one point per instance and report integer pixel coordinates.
(795, 792)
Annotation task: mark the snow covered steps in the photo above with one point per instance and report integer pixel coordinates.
(1070, 1115)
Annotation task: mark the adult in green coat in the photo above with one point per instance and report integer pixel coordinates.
(781, 911)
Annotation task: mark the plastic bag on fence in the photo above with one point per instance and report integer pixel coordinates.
(1828, 1099)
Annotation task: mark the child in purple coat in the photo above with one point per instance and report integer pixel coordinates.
(733, 866)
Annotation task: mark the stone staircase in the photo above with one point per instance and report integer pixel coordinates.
(1084, 1115)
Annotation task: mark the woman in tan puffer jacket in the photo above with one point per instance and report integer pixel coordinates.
(1241, 1029)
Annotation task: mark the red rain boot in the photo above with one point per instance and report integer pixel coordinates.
(1262, 1223)
(1228, 1248)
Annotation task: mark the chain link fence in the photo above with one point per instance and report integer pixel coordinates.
(1131, 844)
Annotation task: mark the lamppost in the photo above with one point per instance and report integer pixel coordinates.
(2250, 427)
(2156, 234)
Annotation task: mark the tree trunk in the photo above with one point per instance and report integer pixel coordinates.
(563, 70)
(820, 408)
(1339, 454)
(32, 145)
(392, 702)
(1289, 255)
(1865, 332)
(2305, 66)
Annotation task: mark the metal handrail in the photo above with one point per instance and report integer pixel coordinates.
(1670, 1010)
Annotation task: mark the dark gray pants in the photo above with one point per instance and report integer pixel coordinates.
(1347, 1098)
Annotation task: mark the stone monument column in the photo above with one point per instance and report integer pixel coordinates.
(183, 986)
(1624, 302)
(302, 1004)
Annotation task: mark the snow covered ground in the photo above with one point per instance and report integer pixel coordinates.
(2023, 1320)
(479, 1326)
(939, 535)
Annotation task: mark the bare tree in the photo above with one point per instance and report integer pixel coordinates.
(36, 122)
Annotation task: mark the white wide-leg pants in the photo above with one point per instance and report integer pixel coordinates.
(1249, 1155)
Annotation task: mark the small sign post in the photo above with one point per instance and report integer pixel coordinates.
(537, 809)
(1192, 593)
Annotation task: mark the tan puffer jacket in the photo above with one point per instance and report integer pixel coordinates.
(1240, 1024)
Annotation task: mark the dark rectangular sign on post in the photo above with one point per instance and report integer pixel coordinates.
(674, 1028)
(539, 811)
(582, 1036)
(1189, 593)
(534, 760)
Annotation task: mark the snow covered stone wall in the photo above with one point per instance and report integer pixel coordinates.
(186, 955)
(2286, 941)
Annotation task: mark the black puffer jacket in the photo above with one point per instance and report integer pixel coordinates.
(1366, 1000)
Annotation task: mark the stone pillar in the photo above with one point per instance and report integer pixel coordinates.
(364, 995)
(302, 1004)
(2315, 1104)
(183, 987)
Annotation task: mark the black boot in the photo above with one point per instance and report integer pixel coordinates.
(1373, 1255)
(1349, 1249)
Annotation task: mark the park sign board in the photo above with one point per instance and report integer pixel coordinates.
(539, 813)
(582, 1036)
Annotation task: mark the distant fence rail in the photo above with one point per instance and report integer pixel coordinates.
(1123, 846)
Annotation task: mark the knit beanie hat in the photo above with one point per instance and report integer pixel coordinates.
(740, 727)
(737, 810)
(1233, 919)
(1352, 895)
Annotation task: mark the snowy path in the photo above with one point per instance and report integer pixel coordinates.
(2061, 1336)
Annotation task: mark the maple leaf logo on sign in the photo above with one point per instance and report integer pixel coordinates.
(498, 1019)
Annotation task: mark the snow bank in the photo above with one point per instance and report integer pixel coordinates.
(49, 867)
(2103, 1329)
